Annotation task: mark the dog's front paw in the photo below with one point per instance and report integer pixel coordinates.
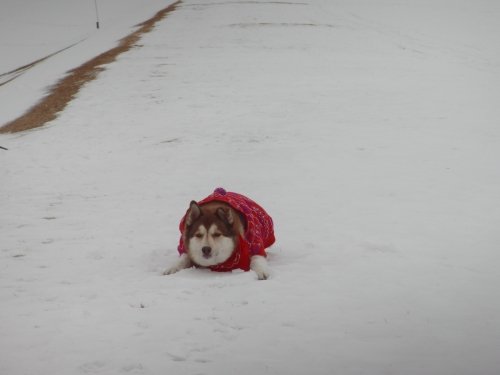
(184, 262)
(263, 274)
(171, 270)
(259, 265)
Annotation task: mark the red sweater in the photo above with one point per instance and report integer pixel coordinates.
(258, 236)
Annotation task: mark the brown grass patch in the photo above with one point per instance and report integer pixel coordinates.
(65, 90)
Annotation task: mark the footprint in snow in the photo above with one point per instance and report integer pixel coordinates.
(92, 367)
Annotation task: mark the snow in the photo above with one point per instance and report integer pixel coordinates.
(31, 30)
(369, 131)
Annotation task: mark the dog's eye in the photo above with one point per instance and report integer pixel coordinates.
(198, 235)
(217, 234)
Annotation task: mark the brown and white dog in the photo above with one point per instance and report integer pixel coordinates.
(223, 232)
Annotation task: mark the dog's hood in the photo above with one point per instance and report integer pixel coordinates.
(259, 233)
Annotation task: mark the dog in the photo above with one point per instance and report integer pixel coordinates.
(223, 232)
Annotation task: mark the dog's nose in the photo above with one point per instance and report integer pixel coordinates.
(206, 250)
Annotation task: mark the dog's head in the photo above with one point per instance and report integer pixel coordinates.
(211, 233)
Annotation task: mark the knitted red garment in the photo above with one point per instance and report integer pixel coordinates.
(259, 234)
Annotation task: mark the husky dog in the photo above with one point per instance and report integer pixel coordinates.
(223, 232)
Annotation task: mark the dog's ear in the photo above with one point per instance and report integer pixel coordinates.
(225, 215)
(194, 213)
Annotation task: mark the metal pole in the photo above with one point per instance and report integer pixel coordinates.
(96, 14)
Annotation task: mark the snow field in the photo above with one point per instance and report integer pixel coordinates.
(370, 141)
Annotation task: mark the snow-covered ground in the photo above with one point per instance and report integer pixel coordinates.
(31, 30)
(368, 130)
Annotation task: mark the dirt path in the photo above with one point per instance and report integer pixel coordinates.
(65, 90)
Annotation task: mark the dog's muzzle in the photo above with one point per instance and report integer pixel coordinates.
(207, 251)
